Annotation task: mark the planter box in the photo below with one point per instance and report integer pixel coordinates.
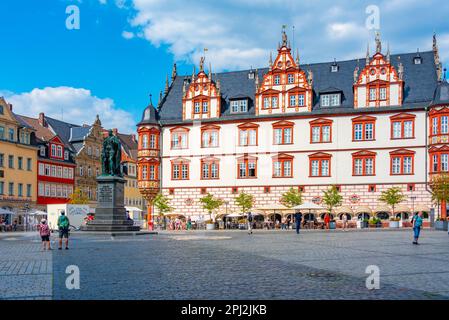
(210, 226)
(372, 226)
(394, 224)
(441, 225)
(332, 225)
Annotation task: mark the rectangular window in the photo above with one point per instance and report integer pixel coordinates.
(247, 169)
(11, 134)
(20, 163)
(301, 100)
(248, 137)
(320, 167)
(283, 135)
(29, 164)
(358, 131)
(316, 136)
(292, 101)
(238, 106)
(2, 188)
(383, 93)
(20, 190)
(274, 102)
(326, 133)
(435, 163)
(282, 168)
(369, 131)
(152, 172)
(363, 130)
(2, 160)
(179, 140)
(315, 168)
(396, 166)
(290, 78)
(209, 139)
(372, 94)
(53, 150)
(408, 129)
(11, 162)
(11, 189)
(403, 164)
(397, 130)
(205, 107)
(358, 167)
(266, 103)
(42, 151)
(197, 107)
(435, 125)
(325, 100)
(444, 125)
(277, 80)
(444, 162)
(180, 171)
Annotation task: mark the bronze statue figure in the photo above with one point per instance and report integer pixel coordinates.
(111, 156)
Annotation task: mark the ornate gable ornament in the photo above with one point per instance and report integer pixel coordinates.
(274, 93)
(202, 98)
(378, 84)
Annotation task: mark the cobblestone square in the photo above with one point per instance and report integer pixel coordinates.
(229, 265)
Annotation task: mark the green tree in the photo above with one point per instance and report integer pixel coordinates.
(392, 197)
(332, 198)
(291, 198)
(210, 203)
(162, 203)
(245, 201)
(439, 185)
(78, 197)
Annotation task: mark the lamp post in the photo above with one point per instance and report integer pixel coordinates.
(413, 198)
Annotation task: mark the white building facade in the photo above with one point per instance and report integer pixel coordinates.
(362, 125)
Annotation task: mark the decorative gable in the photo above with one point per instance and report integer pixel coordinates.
(201, 98)
(285, 88)
(379, 84)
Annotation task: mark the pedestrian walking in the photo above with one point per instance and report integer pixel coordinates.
(44, 232)
(14, 226)
(189, 224)
(63, 225)
(298, 219)
(417, 224)
(344, 219)
(327, 220)
(250, 223)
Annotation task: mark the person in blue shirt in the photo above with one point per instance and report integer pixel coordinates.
(417, 224)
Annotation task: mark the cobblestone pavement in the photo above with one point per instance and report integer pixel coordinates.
(230, 265)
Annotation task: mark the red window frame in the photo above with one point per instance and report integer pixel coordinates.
(283, 125)
(246, 161)
(180, 163)
(247, 127)
(401, 154)
(210, 129)
(201, 101)
(320, 157)
(270, 97)
(147, 166)
(402, 118)
(364, 120)
(435, 151)
(320, 123)
(437, 114)
(178, 130)
(363, 155)
(210, 161)
(377, 86)
(282, 158)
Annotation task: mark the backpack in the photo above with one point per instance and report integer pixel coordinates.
(63, 222)
(44, 230)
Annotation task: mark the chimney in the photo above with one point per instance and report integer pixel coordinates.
(10, 107)
(42, 119)
(115, 131)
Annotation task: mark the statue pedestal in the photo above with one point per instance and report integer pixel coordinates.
(110, 214)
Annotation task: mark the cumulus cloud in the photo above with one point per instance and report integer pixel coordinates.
(128, 35)
(75, 105)
(239, 33)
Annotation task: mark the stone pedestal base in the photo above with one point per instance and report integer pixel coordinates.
(110, 214)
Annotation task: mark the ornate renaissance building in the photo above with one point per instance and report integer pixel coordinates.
(363, 125)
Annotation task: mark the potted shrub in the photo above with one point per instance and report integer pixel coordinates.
(378, 223)
(394, 222)
(210, 225)
(441, 224)
(372, 223)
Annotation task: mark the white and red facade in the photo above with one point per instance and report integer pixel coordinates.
(56, 173)
(379, 142)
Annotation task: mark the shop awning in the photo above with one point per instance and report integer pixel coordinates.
(382, 209)
(344, 209)
(421, 207)
(401, 208)
(363, 209)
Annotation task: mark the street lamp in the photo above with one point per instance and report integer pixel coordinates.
(413, 198)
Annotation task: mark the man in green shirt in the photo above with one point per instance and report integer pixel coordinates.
(63, 225)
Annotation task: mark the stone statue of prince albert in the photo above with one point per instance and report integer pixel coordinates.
(111, 156)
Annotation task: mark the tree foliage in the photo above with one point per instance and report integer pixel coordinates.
(291, 198)
(245, 201)
(210, 203)
(162, 203)
(439, 186)
(78, 197)
(332, 198)
(392, 197)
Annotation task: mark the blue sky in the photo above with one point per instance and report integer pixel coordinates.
(125, 48)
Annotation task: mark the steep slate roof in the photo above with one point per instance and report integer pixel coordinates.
(420, 82)
(441, 95)
(61, 128)
(79, 133)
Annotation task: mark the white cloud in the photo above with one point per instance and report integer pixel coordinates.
(77, 106)
(128, 35)
(239, 33)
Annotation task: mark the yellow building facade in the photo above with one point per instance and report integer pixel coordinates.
(18, 164)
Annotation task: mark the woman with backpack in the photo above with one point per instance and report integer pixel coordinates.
(44, 232)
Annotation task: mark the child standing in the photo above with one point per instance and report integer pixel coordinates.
(44, 232)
